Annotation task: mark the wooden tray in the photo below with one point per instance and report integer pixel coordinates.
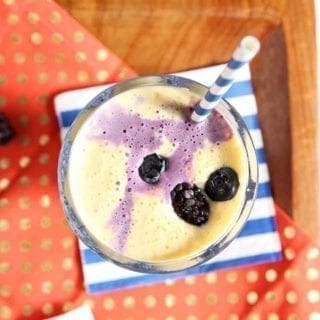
(166, 36)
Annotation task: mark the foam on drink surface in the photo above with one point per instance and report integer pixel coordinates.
(122, 211)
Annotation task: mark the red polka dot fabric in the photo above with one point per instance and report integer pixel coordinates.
(43, 52)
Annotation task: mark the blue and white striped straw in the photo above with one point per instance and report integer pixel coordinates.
(246, 50)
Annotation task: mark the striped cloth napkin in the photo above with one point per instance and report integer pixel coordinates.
(258, 241)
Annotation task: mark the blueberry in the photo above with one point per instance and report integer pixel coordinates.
(152, 167)
(222, 184)
(6, 130)
(190, 203)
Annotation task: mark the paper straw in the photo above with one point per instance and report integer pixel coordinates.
(246, 50)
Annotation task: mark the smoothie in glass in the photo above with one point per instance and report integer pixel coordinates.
(138, 176)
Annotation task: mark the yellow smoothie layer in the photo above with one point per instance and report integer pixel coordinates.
(98, 179)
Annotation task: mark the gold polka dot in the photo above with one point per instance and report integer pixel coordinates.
(27, 310)
(19, 58)
(22, 100)
(44, 140)
(252, 297)
(4, 163)
(47, 308)
(44, 118)
(68, 285)
(213, 317)
(24, 141)
(42, 77)
(169, 300)
(55, 17)
(271, 275)
(36, 38)
(24, 224)
(252, 276)
(211, 277)
(5, 291)
(12, 19)
(46, 244)
(231, 277)
(190, 280)
(291, 297)
(67, 306)
(8, 2)
(312, 274)
(44, 158)
(25, 246)
(290, 275)
(102, 55)
(270, 296)
(122, 73)
(80, 56)
(26, 267)
(26, 288)
(82, 76)
(191, 300)
(313, 253)
(62, 76)
(273, 316)
(67, 242)
(191, 317)
(2, 79)
(21, 78)
(5, 312)
(289, 253)
(33, 17)
(47, 287)
(314, 316)
(4, 183)
(3, 101)
(23, 120)
(108, 304)
(46, 266)
(45, 201)
(39, 58)
(253, 316)
(313, 296)
(233, 298)
(3, 202)
(67, 264)
(4, 267)
(57, 37)
(169, 282)
(4, 224)
(16, 38)
(24, 203)
(233, 317)
(289, 232)
(150, 301)
(293, 316)
(2, 59)
(43, 98)
(129, 302)
(60, 57)
(45, 222)
(24, 181)
(212, 298)
(4, 246)
(102, 75)
(78, 36)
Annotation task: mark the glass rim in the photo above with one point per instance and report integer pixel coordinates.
(173, 265)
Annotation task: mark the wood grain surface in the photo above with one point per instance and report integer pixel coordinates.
(166, 36)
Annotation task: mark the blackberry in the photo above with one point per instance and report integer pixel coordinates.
(222, 184)
(190, 203)
(152, 167)
(6, 130)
